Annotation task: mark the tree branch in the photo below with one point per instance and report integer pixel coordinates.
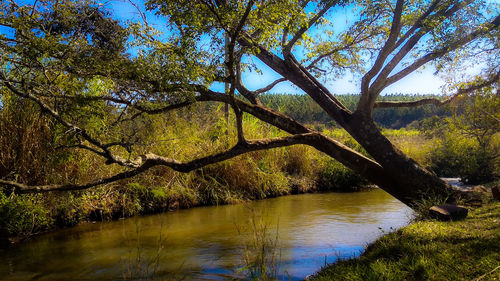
(265, 114)
(443, 14)
(111, 159)
(392, 104)
(270, 86)
(367, 102)
(295, 73)
(286, 30)
(364, 102)
(249, 95)
(233, 78)
(288, 47)
(241, 23)
(418, 23)
(440, 102)
(151, 160)
(336, 50)
(252, 96)
(441, 52)
(22, 188)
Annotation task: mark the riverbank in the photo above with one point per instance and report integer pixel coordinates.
(430, 250)
(238, 180)
(253, 176)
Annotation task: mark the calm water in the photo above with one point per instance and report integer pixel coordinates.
(207, 243)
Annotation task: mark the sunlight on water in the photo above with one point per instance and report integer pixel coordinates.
(207, 242)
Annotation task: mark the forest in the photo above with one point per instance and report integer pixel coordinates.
(302, 108)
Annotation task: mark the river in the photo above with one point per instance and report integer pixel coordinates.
(208, 243)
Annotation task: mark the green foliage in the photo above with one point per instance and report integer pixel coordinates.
(65, 209)
(460, 156)
(25, 141)
(181, 196)
(78, 36)
(72, 55)
(400, 117)
(248, 177)
(427, 200)
(466, 145)
(478, 129)
(302, 108)
(414, 143)
(101, 204)
(160, 198)
(23, 215)
(336, 177)
(256, 175)
(301, 161)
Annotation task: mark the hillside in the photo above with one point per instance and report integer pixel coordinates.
(302, 108)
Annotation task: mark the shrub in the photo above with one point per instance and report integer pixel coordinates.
(299, 161)
(181, 196)
(146, 199)
(101, 203)
(23, 215)
(336, 177)
(66, 209)
(248, 177)
(472, 140)
(458, 156)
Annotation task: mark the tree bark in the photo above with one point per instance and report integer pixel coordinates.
(402, 176)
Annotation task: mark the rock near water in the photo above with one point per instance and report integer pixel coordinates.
(448, 212)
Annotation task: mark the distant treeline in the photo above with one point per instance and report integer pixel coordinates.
(302, 108)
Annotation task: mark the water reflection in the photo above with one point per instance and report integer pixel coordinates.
(204, 243)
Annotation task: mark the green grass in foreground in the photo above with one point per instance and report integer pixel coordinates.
(430, 250)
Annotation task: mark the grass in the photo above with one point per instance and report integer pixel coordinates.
(138, 265)
(262, 251)
(430, 250)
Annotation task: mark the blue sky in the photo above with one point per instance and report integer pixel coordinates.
(423, 81)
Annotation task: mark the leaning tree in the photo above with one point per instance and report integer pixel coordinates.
(53, 50)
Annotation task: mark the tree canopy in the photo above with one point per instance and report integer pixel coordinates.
(73, 60)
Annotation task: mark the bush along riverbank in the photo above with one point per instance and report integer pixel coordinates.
(430, 250)
(257, 175)
(30, 154)
(250, 177)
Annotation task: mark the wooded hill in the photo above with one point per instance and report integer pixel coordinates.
(303, 109)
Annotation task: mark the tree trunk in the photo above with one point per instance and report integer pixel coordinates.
(403, 177)
(398, 175)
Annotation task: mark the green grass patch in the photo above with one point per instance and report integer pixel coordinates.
(430, 250)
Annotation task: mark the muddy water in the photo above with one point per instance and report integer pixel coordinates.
(208, 243)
